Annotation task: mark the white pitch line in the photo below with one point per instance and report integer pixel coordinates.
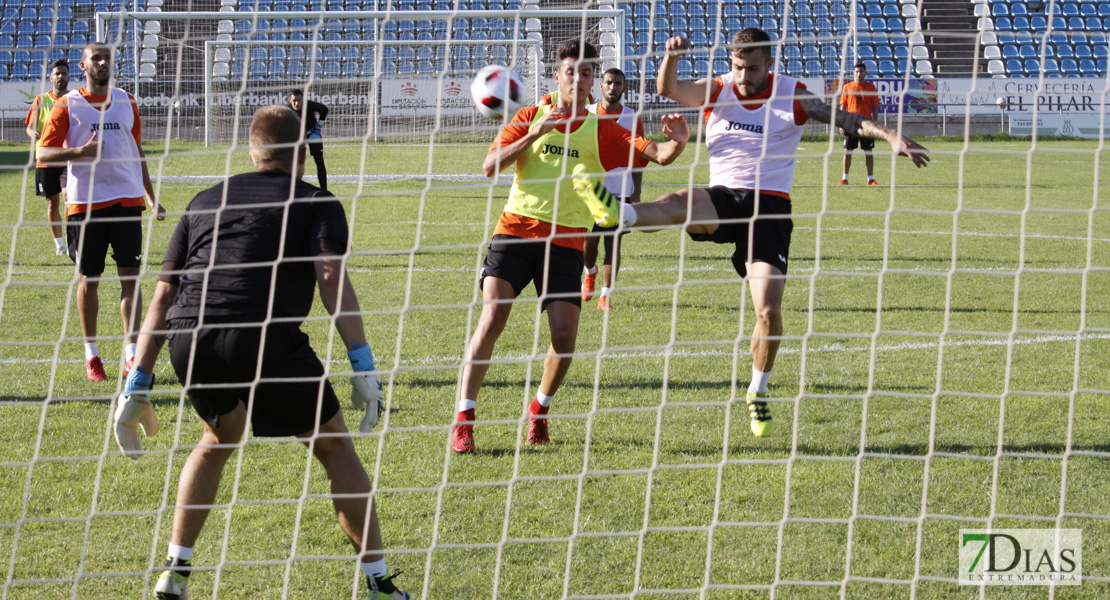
(686, 353)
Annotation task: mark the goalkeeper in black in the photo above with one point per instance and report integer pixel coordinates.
(312, 116)
(238, 279)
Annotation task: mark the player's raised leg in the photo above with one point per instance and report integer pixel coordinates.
(497, 296)
(562, 319)
(766, 285)
(589, 282)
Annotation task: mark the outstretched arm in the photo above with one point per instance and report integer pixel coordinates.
(683, 91)
(860, 126)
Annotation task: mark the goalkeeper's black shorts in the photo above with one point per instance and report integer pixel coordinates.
(758, 224)
(290, 396)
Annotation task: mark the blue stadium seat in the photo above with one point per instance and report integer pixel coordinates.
(5, 57)
(831, 68)
(1014, 68)
(1065, 51)
(887, 68)
(24, 41)
(4, 72)
(295, 69)
(813, 68)
(1083, 51)
(1021, 24)
(829, 52)
(795, 69)
(1087, 67)
(19, 72)
(999, 9)
(1003, 24)
(1009, 51)
(22, 56)
(1069, 67)
(1032, 67)
(350, 70)
(73, 55)
(884, 53)
(865, 52)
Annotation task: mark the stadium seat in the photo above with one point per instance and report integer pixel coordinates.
(1101, 52)
(1083, 51)
(20, 72)
(1021, 24)
(996, 68)
(1014, 68)
(813, 68)
(887, 68)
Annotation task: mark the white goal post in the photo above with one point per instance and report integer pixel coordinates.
(173, 55)
(361, 101)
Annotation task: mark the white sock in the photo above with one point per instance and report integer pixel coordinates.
(628, 214)
(465, 405)
(845, 176)
(544, 399)
(181, 552)
(129, 351)
(871, 178)
(759, 381)
(606, 292)
(591, 270)
(60, 243)
(91, 351)
(375, 569)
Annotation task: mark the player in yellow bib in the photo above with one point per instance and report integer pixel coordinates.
(50, 180)
(541, 233)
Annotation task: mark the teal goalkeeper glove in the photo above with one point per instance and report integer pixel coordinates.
(366, 386)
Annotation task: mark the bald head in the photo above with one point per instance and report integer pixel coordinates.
(275, 135)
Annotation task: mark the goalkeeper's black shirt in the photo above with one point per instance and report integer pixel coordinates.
(232, 259)
(313, 110)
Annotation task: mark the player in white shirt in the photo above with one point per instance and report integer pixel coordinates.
(753, 125)
(624, 183)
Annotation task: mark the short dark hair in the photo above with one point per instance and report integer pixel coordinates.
(61, 62)
(615, 71)
(296, 92)
(860, 66)
(752, 38)
(578, 49)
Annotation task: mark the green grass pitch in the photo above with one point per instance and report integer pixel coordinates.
(946, 361)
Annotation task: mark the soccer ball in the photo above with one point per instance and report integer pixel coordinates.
(497, 91)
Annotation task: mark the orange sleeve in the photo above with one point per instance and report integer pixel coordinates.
(517, 128)
(615, 143)
(57, 125)
(800, 116)
(137, 128)
(712, 99)
(34, 109)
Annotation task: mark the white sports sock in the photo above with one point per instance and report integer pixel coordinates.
(91, 351)
(544, 399)
(467, 404)
(606, 292)
(181, 552)
(759, 381)
(628, 214)
(871, 178)
(591, 270)
(60, 243)
(375, 569)
(845, 176)
(129, 351)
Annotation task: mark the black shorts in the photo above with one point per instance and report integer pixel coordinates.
(851, 142)
(89, 235)
(316, 149)
(521, 261)
(50, 181)
(770, 231)
(293, 395)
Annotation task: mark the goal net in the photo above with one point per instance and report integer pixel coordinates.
(942, 368)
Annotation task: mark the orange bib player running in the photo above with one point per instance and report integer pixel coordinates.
(540, 236)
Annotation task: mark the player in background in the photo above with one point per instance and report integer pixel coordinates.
(223, 318)
(312, 115)
(539, 237)
(624, 183)
(753, 123)
(860, 97)
(96, 129)
(49, 181)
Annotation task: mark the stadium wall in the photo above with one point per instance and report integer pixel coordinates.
(925, 106)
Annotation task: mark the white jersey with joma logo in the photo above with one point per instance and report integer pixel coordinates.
(619, 181)
(118, 173)
(753, 148)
